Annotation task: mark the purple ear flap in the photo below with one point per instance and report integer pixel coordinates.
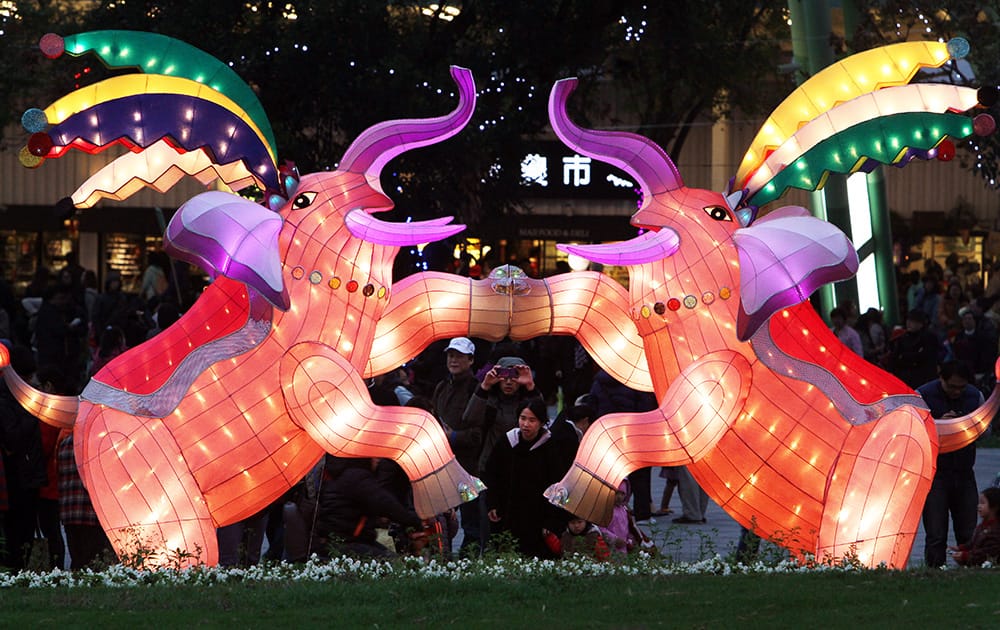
(227, 235)
(784, 257)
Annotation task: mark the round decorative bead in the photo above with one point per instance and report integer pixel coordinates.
(51, 45)
(29, 160)
(34, 120)
(958, 47)
(39, 144)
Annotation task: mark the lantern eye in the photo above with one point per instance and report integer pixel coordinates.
(718, 213)
(303, 200)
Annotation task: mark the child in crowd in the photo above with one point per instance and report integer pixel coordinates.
(622, 534)
(985, 543)
(584, 538)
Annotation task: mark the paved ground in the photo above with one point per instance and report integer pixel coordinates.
(721, 533)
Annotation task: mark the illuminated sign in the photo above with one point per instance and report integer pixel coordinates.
(549, 169)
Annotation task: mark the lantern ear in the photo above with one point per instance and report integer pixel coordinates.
(784, 257)
(227, 235)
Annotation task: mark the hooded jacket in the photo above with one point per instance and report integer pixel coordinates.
(350, 499)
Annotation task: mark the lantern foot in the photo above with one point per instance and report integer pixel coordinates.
(150, 506)
(876, 496)
(444, 488)
(584, 494)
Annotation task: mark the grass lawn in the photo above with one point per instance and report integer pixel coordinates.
(923, 599)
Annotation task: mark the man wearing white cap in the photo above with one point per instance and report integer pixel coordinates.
(450, 397)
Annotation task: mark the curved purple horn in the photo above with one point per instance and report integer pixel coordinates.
(639, 156)
(384, 141)
(644, 248)
(368, 228)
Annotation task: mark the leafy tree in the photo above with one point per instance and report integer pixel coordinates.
(25, 77)
(686, 61)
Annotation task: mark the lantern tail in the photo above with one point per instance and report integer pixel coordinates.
(956, 433)
(838, 83)
(52, 409)
(855, 115)
(189, 114)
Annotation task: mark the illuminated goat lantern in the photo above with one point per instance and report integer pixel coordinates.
(228, 408)
(788, 430)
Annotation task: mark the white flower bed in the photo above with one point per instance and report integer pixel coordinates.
(315, 570)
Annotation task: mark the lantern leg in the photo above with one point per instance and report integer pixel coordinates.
(145, 496)
(697, 409)
(325, 395)
(877, 489)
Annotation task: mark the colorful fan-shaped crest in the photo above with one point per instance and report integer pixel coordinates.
(854, 115)
(183, 113)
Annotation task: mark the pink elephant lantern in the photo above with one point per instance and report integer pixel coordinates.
(227, 409)
(789, 431)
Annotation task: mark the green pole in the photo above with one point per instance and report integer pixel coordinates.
(813, 18)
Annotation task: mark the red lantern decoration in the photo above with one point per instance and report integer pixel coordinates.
(946, 151)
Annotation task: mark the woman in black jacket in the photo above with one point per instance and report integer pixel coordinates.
(522, 465)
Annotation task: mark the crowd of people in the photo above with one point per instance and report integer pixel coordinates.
(60, 333)
(504, 426)
(514, 414)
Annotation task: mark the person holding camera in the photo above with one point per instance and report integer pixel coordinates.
(494, 408)
(493, 405)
